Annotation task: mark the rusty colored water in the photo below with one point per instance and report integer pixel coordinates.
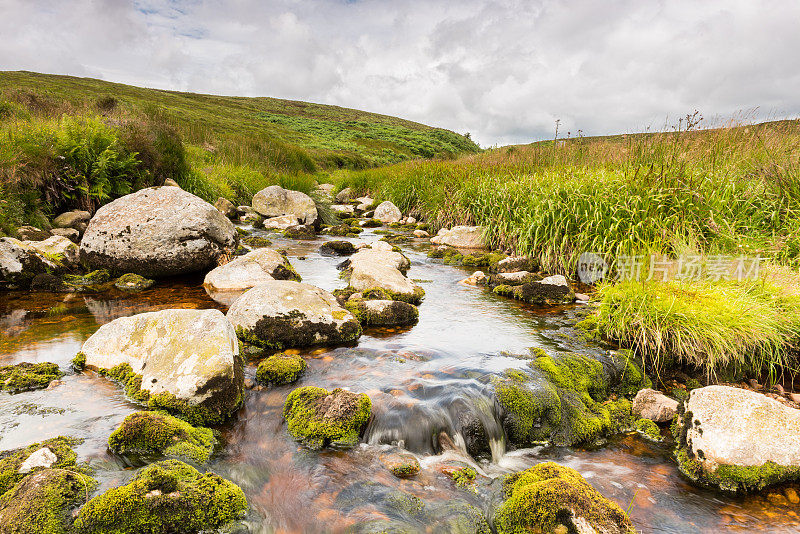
(417, 377)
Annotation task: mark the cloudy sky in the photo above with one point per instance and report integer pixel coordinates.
(503, 70)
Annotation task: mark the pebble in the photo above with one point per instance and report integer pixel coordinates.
(582, 296)
(791, 495)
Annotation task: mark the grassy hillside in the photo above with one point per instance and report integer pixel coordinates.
(115, 138)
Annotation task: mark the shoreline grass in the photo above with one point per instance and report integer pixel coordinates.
(721, 328)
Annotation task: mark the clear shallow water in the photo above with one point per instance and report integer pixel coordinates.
(419, 379)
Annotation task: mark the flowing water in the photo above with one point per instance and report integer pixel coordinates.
(421, 380)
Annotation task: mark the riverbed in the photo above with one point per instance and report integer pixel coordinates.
(417, 377)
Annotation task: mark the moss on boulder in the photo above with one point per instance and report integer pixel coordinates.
(565, 399)
(28, 376)
(41, 503)
(154, 433)
(337, 248)
(321, 418)
(168, 496)
(383, 312)
(280, 369)
(552, 498)
(13, 467)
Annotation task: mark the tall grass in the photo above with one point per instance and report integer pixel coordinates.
(726, 190)
(749, 328)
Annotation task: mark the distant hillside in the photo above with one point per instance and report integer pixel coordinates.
(330, 135)
(68, 142)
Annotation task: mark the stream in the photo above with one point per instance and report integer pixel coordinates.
(419, 378)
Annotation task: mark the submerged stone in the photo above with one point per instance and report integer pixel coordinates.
(551, 498)
(28, 376)
(168, 496)
(281, 369)
(154, 433)
(321, 418)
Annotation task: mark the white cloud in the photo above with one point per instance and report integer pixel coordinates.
(504, 70)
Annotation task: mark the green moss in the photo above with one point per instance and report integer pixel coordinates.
(547, 495)
(193, 413)
(295, 329)
(281, 369)
(464, 477)
(396, 313)
(41, 503)
(133, 282)
(320, 418)
(79, 362)
(28, 376)
(531, 413)
(372, 223)
(168, 496)
(156, 433)
(648, 429)
(100, 276)
(256, 241)
(11, 461)
(132, 382)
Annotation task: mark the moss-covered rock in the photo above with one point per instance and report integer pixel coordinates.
(550, 291)
(282, 314)
(551, 498)
(402, 465)
(736, 440)
(133, 282)
(648, 429)
(256, 241)
(337, 248)
(320, 418)
(41, 503)
(165, 497)
(96, 280)
(28, 376)
(300, 231)
(281, 369)
(154, 433)
(383, 312)
(565, 399)
(13, 467)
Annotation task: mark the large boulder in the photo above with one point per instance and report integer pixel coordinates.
(553, 498)
(227, 282)
(461, 237)
(280, 314)
(387, 212)
(275, 201)
(57, 248)
(184, 361)
(159, 231)
(654, 405)
(20, 263)
(379, 269)
(321, 418)
(738, 440)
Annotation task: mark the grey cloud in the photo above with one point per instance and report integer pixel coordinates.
(504, 70)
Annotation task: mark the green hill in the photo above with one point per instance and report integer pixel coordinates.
(115, 138)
